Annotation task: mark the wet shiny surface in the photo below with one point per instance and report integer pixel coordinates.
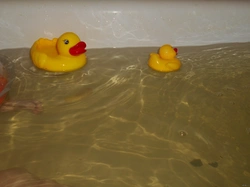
(116, 122)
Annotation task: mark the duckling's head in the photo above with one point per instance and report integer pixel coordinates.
(69, 44)
(167, 52)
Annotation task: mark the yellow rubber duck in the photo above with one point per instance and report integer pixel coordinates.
(165, 61)
(62, 54)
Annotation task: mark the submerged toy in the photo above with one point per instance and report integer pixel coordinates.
(3, 90)
(165, 61)
(59, 55)
(20, 177)
(3, 83)
(34, 106)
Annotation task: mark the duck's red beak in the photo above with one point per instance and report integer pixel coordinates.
(176, 50)
(78, 49)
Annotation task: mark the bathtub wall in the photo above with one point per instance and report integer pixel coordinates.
(125, 23)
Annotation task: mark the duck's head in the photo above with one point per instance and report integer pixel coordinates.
(69, 44)
(167, 52)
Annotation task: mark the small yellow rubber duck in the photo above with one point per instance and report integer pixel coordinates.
(165, 61)
(59, 55)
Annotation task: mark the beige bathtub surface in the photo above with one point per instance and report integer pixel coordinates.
(125, 23)
(117, 123)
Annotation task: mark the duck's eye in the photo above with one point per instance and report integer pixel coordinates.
(66, 41)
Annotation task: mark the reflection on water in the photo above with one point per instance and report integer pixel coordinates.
(116, 122)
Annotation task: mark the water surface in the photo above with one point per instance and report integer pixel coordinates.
(118, 123)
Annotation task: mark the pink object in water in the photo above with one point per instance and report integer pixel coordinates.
(18, 177)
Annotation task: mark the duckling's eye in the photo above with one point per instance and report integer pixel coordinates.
(66, 41)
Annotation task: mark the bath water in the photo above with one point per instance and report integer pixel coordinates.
(118, 123)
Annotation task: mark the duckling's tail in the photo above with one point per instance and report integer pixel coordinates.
(153, 61)
(154, 55)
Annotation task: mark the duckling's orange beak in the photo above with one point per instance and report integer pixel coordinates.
(78, 49)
